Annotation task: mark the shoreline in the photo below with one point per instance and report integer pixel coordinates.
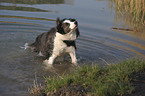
(114, 79)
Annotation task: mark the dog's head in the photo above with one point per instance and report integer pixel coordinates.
(65, 26)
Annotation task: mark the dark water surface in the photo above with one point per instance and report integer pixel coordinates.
(22, 21)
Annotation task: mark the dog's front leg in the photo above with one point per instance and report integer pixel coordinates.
(73, 57)
(50, 60)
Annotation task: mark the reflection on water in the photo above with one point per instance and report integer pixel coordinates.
(34, 1)
(22, 17)
(22, 20)
(21, 8)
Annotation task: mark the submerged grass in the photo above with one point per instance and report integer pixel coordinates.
(110, 80)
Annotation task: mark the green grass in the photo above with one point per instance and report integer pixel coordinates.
(111, 80)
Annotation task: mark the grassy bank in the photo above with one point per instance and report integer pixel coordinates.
(132, 12)
(111, 80)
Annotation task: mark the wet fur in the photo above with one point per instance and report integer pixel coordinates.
(56, 41)
(44, 43)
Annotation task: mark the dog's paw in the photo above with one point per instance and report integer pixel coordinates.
(47, 66)
(75, 63)
(47, 62)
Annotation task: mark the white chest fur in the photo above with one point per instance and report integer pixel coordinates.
(68, 36)
(59, 45)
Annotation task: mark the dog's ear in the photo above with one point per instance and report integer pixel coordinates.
(77, 32)
(57, 21)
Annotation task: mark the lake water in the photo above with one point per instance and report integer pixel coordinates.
(22, 20)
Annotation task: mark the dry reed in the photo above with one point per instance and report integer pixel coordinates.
(132, 12)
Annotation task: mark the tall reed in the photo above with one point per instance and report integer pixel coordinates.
(132, 12)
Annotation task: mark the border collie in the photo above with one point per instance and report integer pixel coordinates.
(60, 39)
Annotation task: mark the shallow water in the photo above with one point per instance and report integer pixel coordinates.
(22, 21)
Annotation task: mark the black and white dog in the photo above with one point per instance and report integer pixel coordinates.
(60, 39)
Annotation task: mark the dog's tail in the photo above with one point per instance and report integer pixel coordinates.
(26, 46)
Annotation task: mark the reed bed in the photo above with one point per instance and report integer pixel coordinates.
(131, 11)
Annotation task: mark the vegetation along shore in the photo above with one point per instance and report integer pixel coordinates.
(111, 80)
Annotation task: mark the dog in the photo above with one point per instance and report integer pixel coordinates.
(58, 40)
